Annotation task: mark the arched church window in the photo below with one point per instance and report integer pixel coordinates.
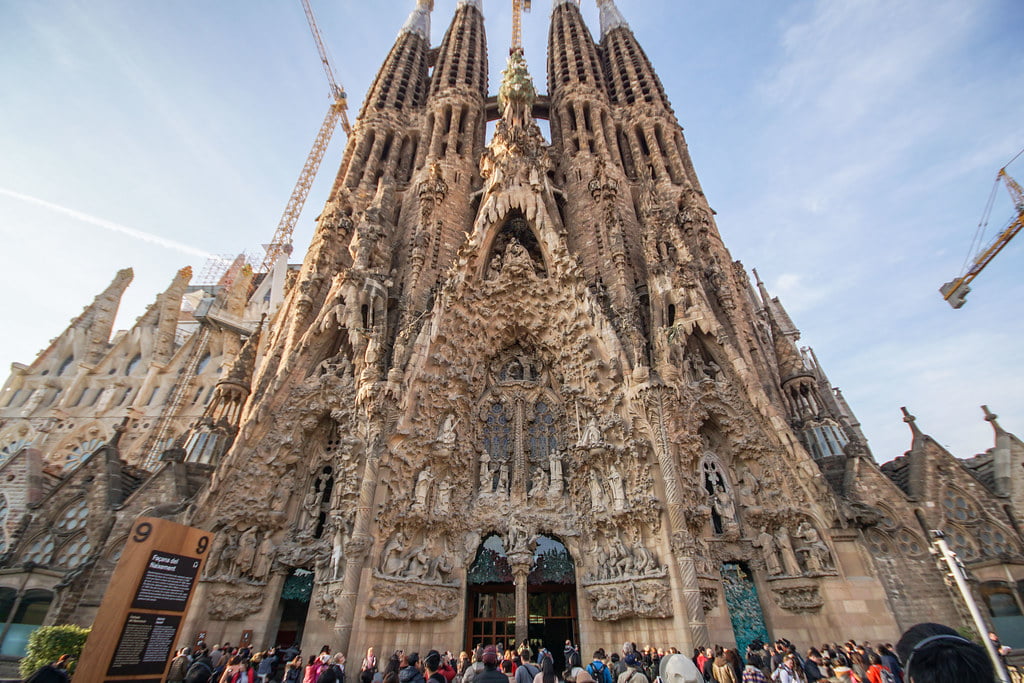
(65, 364)
(40, 550)
(993, 541)
(880, 543)
(133, 364)
(491, 564)
(1000, 599)
(718, 494)
(542, 434)
(962, 543)
(203, 363)
(12, 447)
(910, 543)
(498, 433)
(74, 553)
(958, 507)
(73, 516)
(78, 454)
(320, 494)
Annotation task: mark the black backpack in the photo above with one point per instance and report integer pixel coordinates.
(199, 672)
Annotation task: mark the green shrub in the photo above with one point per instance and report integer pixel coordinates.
(47, 643)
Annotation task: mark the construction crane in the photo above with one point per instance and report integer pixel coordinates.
(518, 7)
(336, 113)
(955, 291)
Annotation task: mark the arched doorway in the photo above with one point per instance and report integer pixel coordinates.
(551, 598)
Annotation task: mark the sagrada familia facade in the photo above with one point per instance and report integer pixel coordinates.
(517, 389)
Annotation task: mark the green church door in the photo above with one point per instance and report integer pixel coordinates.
(744, 606)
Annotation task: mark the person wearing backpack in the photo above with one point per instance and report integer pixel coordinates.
(788, 671)
(877, 672)
(598, 670)
(201, 670)
(634, 671)
(526, 671)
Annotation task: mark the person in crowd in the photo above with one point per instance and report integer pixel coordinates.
(934, 653)
(890, 661)
(878, 672)
(312, 671)
(788, 671)
(368, 667)
(432, 667)
(634, 671)
(752, 671)
(598, 670)
(490, 673)
(813, 664)
(527, 671)
(293, 670)
(201, 670)
(721, 669)
(238, 671)
(179, 666)
(334, 672)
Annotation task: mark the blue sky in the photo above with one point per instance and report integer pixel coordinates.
(848, 147)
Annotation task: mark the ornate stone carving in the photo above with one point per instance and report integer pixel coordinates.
(798, 598)
(708, 599)
(396, 601)
(647, 599)
(425, 563)
(232, 603)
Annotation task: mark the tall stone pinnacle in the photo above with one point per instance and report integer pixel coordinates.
(419, 19)
(611, 17)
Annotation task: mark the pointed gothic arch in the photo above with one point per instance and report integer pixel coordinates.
(516, 239)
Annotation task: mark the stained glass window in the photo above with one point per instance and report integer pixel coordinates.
(994, 541)
(13, 447)
(498, 433)
(542, 436)
(958, 508)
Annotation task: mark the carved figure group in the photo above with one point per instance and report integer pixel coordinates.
(781, 559)
(400, 560)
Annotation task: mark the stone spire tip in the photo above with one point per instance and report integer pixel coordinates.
(992, 417)
(419, 19)
(611, 17)
(912, 423)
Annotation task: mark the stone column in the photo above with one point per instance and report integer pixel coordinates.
(520, 571)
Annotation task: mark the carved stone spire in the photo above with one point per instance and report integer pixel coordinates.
(419, 19)
(611, 17)
(912, 423)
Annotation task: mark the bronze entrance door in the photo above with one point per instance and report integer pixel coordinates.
(551, 598)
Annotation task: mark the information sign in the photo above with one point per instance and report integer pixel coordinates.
(136, 628)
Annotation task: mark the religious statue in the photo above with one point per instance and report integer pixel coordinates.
(337, 551)
(422, 490)
(555, 465)
(264, 558)
(486, 475)
(766, 542)
(503, 478)
(246, 552)
(446, 436)
(597, 500)
(444, 495)
(539, 482)
(785, 547)
(591, 435)
(618, 490)
(722, 502)
(816, 553)
(392, 563)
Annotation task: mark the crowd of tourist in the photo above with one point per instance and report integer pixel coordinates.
(931, 653)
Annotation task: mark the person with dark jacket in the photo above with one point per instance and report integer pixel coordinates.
(54, 672)
(412, 672)
(490, 674)
(335, 671)
(201, 670)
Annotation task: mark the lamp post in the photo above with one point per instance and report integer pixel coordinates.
(956, 570)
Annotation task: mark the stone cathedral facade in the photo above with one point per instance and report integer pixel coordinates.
(518, 389)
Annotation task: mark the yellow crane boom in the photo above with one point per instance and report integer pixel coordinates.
(955, 291)
(518, 7)
(336, 113)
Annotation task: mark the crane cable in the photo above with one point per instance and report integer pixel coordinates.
(979, 233)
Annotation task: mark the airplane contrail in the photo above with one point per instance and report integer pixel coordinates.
(112, 226)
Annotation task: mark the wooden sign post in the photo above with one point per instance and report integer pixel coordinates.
(136, 627)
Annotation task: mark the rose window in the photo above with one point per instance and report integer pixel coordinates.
(958, 508)
(75, 552)
(40, 550)
(74, 516)
(76, 455)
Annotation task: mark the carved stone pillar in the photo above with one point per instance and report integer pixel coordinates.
(653, 400)
(362, 540)
(520, 571)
